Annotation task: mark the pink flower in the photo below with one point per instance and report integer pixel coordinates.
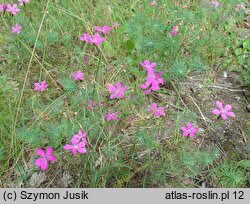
(1, 7)
(189, 130)
(45, 158)
(40, 87)
(90, 104)
(12, 9)
(23, 2)
(105, 29)
(148, 66)
(5, 6)
(111, 116)
(215, 3)
(115, 25)
(224, 112)
(16, 29)
(96, 39)
(78, 76)
(80, 136)
(174, 31)
(154, 81)
(76, 147)
(160, 111)
(86, 37)
(117, 91)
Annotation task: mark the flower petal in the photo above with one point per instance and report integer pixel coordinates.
(82, 150)
(195, 130)
(118, 84)
(228, 107)
(40, 152)
(113, 96)
(112, 88)
(75, 140)
(191, 134)
(224, 116)
(216, 111)
(189, 126)
(153, 64)
(67, 147)
(148, 92)
(184, 129)
(219, 105)
(74, 151)
(185, 134)
(231, 114)
(120, 95)
(42, 163)
(52, 158)
(49, 151)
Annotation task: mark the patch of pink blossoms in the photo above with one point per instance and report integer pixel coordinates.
(105, 29)
(46, 157)
(117, 90)
(16, 29)
(78, 143)
(153, 81)
(40, 86)
(148, 66)
(158, 111)
(111, 116)
(174, 31)
(224, 112)
(78, 75)
(189, 130)
(12, 9)
(96, 39)
(23, 2)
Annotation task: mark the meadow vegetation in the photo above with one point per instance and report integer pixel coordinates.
(201, 51)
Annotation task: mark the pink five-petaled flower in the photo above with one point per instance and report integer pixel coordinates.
(23, 2)
(105, 29)
(158, 111)
(16, 29)
(12, 9)
(40, 86)
(80, 136)
(215, 3)
(189, 130)
(148, 66)
(45, 158)
(76, 147)
(224, 112)
(78, 76)
(154, 81)
(174, 31)
(96, 39)
(111, 116)
(117, 91)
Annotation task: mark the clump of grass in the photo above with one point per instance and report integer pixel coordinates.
(231, 175)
